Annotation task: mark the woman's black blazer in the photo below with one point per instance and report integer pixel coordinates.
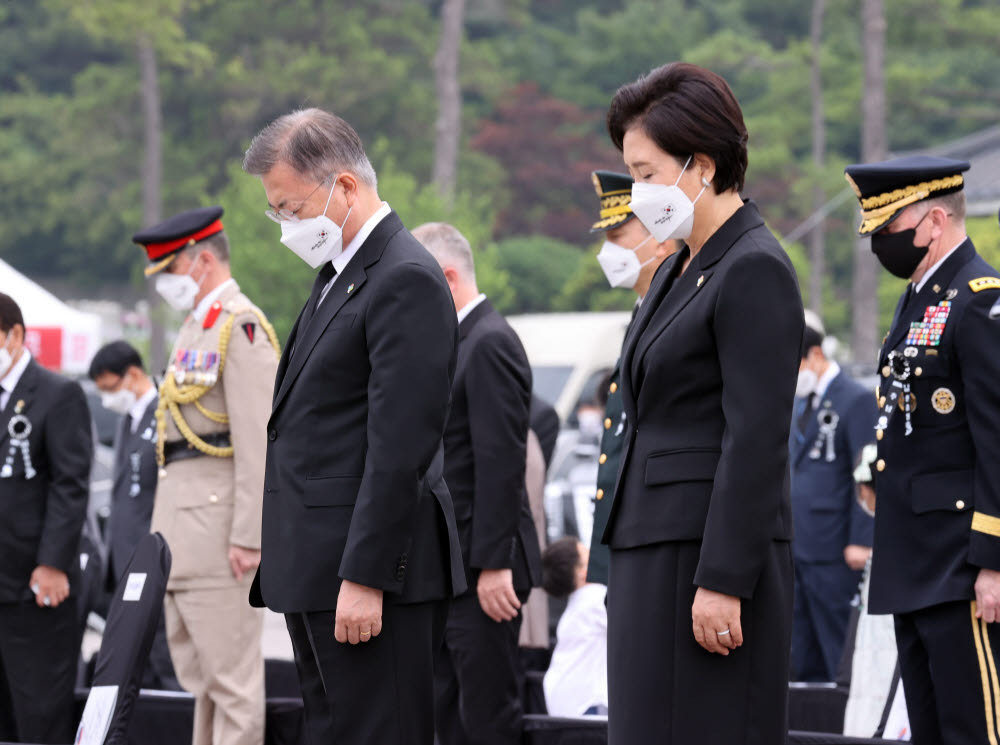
(708, 378)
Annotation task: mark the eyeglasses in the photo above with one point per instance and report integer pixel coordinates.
(282, 215)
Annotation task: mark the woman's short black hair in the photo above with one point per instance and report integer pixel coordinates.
(559, 563)
(10, 313)
(116, 358)
(685, 109)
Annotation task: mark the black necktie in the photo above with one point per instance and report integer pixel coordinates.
(807, 411)
(322, 280)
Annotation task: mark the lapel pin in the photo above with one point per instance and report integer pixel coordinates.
(350, 289)
(19, 407)
(701, 280)
(936, 288)
(950, 295)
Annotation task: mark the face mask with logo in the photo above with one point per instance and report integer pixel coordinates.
(897, 253)
(315, 240)
(806, 383)
(665, 211)
(120, 401)
(179, 290)
(621, 265)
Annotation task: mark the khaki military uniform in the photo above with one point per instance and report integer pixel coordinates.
(219, 380)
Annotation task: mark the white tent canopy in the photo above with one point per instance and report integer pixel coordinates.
(60, 337)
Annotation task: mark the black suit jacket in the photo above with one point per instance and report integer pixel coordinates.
(544, 421)
(484, 450)
(937, 520)
(41, 517)
(133, 490)
(353, 483)
(708, 378)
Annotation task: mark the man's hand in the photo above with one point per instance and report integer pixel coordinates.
(243, 560)
(856, 556)
(713, 612)
(50, 585)
(359, 613)
(496, 594)
(988, 595)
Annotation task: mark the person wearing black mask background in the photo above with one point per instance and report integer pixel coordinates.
(936, 560)
(700, 584)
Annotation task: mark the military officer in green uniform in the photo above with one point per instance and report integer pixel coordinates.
(211, 438)
(629, 258)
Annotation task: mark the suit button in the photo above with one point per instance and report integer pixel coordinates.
(886, 371)
(213, 498)
(607, 424)
(603, 459)
(881, 401)
(960, 505)
(600, 494)
(880, 465)
(879, 434)
(272, 435)
(918, 372)
(613, 388)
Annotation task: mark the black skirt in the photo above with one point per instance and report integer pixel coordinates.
(663, 687)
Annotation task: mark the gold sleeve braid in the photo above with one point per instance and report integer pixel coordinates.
(173, 395)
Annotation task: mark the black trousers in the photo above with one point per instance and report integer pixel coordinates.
(663, 687)
(380, 691)
(948, 664)
(823, 594)
(477, 678)
(39, 650)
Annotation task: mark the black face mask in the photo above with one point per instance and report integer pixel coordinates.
(896, 252)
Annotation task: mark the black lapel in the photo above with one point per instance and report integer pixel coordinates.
(932, 292)
(23, 390)
(475, 316)
(698, 274)
(347, 286)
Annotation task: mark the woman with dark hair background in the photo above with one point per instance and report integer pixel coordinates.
(700, 604)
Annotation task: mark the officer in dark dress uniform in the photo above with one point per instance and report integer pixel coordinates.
(630, 260)
(936, 561)
(118, 373)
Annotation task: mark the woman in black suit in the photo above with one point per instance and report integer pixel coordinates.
(700, 601)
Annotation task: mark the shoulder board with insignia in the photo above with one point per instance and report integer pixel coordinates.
(984, 283)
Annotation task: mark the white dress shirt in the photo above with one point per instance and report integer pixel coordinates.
(139, 407)
(927, 275)
(577, 678)
(469, 307)
(10, 381)
(341, 260)
(206, 302)
(824, 382)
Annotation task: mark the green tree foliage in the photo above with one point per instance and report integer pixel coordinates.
(536, 76)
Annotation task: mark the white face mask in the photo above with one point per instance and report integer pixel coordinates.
(665, 211)
(6, 360)
(806, 383)
(315, 240)
(621, 265)
(179, 290)
(120, 401)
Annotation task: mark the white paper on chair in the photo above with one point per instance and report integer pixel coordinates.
(97, 715)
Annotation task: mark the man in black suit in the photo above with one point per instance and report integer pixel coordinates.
(127, 390)
(45, 452)
(477, 672)
(359, 542)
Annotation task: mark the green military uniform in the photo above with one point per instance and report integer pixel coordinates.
(607, 474)
(614, 191)
(212, 415)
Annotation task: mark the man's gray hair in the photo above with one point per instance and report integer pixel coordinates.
(448, 246)
(953, 204)
(314, 142)
(217, 244)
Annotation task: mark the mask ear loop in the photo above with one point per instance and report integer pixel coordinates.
(330, 196)
(686, 164)
(705, 183)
